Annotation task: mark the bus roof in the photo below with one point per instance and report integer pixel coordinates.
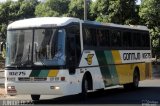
(136, 27)
(62, 21)
(42, 22)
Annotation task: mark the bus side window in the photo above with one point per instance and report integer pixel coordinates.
(89, 38)
(127, 39)
(145, 40)
(104, 39)
(136, 42)
(116, 38)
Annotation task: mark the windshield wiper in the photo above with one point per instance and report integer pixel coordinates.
(23, 61)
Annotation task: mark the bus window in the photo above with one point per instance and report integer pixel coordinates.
(90, 37)
(49, 47)
(137, 39)
(116, 38)
(104, 38)
(145, 41)
(127, 39)
(100, 38)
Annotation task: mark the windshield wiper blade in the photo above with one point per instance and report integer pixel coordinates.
(25, 62)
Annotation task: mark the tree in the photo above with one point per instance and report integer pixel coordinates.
(52, 8)
(115, 11)
(5, 9)
(11, 11)
(150, 16)
(99, 10)
(76, 8)
(27, 8)
(122, 11)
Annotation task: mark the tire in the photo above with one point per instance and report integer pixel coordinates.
(35, 97)
(85, 87)
(136, 79)
(135, 83)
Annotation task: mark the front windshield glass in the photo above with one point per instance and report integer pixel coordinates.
(38, 47)
(49, 47)
(19, 45)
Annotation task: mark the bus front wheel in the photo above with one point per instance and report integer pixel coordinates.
(84, 87)
(87, 84)
(35, 97)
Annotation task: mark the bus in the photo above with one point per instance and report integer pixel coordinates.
(66, 56)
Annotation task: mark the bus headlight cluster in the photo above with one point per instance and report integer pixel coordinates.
(11, 79)
(55, 87)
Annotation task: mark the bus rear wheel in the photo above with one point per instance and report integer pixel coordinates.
(136, 78)
(35, 97)
(135, 83)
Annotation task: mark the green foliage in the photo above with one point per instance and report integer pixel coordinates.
(122, 11)
(76, 8)
(150, 15)
(99, 10)
(115, 11)
(27, 8)
(150, 12)
(11, 11)
(52, 8)
(5, 16)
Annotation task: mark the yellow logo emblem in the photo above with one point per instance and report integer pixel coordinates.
(89, 58)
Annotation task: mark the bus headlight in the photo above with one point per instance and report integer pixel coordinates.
(10, 87)
(55, 87)
(11, 79)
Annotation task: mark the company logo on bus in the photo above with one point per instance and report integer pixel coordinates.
(89, 58)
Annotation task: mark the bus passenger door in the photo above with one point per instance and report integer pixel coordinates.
(73, 49)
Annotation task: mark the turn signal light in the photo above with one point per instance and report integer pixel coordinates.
(62, 78)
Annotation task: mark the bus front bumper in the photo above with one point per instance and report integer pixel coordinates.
(58, 88)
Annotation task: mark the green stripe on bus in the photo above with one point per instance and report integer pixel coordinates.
(101, 58)
(35, 73)
(43, 73)
(112, 68)
(109, 57)
(104, 68)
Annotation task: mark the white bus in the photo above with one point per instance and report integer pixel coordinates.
(66, 56)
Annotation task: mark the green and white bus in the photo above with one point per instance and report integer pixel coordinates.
(66, 56)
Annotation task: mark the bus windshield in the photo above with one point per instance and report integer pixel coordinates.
(38, 47)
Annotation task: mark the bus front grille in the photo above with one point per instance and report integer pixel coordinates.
(31, 79)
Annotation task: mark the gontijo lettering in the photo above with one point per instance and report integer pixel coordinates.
(136, 56)
(131, 56)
